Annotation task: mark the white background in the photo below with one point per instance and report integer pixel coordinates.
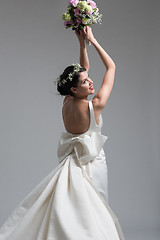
(34, 49)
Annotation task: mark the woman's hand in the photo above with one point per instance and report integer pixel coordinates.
(87, 33)
(80, 37)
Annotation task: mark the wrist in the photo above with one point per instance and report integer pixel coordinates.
(82, 44)
(93, 41)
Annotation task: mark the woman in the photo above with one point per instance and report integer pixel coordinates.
(75, 109)
(71, 202)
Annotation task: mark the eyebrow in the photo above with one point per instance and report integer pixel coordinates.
(83, 80)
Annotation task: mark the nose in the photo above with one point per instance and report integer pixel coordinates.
(90, 81)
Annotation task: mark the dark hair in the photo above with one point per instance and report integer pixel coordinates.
(64, 89)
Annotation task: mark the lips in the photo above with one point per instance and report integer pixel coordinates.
(91, 87)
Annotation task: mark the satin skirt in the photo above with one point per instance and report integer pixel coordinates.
(66, 205)
(97, 170)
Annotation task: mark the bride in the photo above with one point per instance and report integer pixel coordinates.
(71, 203)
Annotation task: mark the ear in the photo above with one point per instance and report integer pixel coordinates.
(73, 89)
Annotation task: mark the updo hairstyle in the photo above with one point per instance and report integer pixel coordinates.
(64, 88)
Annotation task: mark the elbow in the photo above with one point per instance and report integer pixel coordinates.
(114, 66)
(87, 68)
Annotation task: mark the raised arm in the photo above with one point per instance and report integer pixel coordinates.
(84, 60)
(101, 97)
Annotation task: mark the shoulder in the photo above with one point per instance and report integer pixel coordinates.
(97, 106)
(96, 103)
(74, 105)
(66, 98)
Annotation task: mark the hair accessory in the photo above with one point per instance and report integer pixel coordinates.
(76, 69)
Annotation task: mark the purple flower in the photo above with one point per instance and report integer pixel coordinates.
(74, 2)
(68, 22)
(92, 3)
(78, 20)
(65, 23)
(76, 11)
(75, 26)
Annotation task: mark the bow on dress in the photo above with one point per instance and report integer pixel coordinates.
(85, 146)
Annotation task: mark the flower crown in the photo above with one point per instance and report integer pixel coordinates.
(76, 69)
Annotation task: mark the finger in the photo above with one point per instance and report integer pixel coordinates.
(81, 33)
(84, 29)
(77, 33)
(88, 28)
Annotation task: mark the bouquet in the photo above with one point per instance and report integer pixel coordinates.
(80, 14)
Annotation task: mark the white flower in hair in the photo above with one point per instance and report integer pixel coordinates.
(76, 69)
(70, 76)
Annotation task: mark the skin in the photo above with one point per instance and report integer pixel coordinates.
(84, 87)
(75, 111)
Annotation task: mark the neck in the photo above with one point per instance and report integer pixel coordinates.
(78, 98)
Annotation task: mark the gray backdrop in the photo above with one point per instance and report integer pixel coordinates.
(34, 49)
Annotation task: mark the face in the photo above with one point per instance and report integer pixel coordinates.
(84, 86)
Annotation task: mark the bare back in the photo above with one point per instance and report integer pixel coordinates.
(76, 115)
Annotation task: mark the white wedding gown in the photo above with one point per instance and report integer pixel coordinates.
(71, 203)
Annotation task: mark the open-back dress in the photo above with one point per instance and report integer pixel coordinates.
(71, 203)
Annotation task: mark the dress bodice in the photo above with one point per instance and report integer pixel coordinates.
(86, 145)
(94, 127)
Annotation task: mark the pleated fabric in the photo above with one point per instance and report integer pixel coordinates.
(71, 203)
